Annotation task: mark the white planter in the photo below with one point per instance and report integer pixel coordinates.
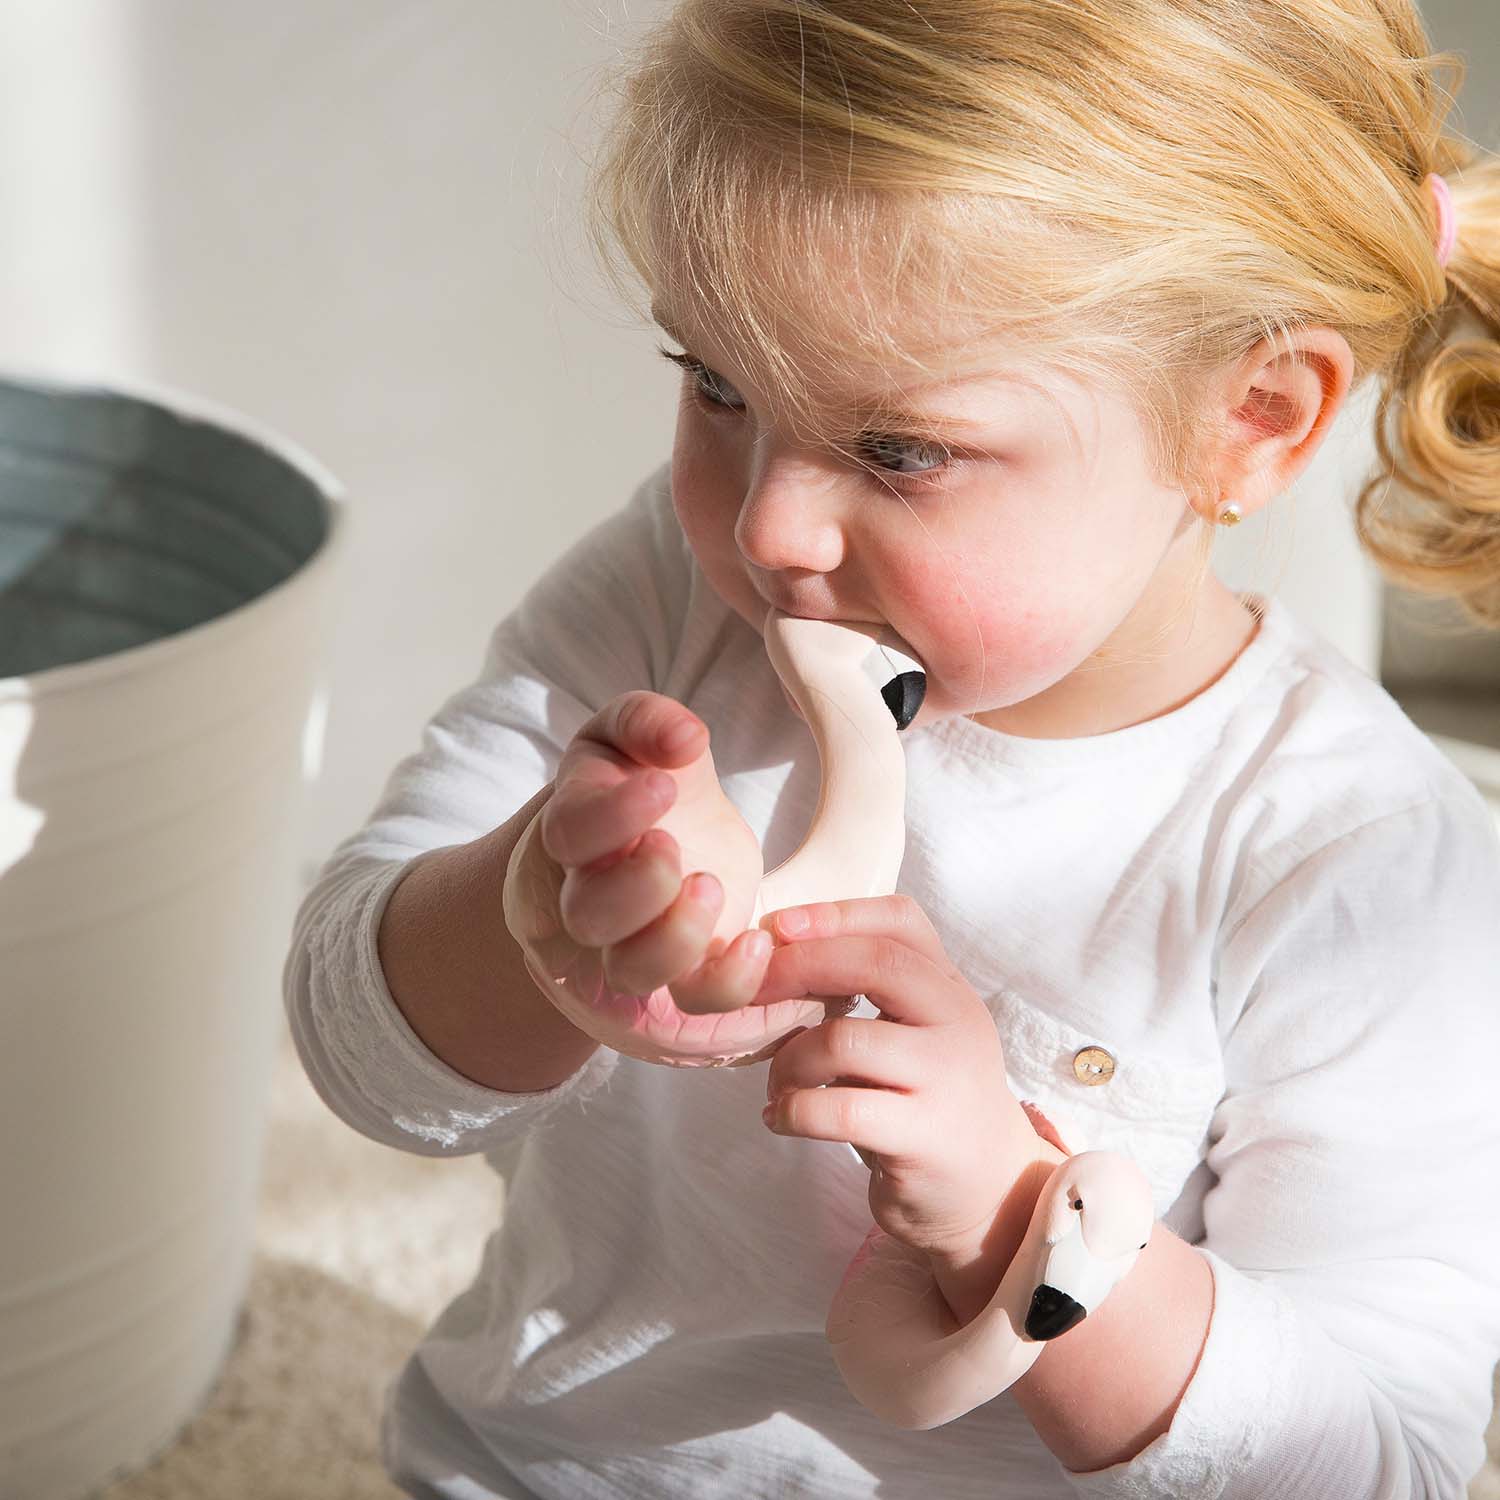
(165, 572)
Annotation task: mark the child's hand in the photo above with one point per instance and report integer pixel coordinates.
(950, 1138)
(623, 892)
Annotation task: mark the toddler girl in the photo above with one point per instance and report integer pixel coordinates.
(989, 312)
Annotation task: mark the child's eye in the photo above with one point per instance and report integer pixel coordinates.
(884, 447)
(701, 373)
(876, 448)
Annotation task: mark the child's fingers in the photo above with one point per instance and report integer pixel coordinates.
(610, 785)
(651, 728)
(645, 959)
(602, 905)
(583, 823)
(726, 980)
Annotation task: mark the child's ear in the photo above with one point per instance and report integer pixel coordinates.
(1280, 401)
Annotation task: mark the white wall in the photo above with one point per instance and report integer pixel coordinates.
(354, 221)
(351, 220)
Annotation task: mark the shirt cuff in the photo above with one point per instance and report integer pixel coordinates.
(1244, 1421)
(421, 1095)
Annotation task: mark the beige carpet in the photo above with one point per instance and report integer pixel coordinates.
(358, 1248)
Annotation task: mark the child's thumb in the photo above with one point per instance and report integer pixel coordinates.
(654, 729)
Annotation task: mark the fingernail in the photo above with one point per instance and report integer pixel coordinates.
(757, 946)
(678, 737)
(794, 921)
(768, 1114)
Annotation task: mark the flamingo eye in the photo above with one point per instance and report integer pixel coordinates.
(1078, 1203)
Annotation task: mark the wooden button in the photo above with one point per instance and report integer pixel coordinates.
(1093, 1065)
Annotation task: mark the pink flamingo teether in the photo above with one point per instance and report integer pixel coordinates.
(857, 686)
(904, 1355)
(895, 1341)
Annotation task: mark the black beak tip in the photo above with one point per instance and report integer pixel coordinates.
(1051, 1313)
(903, 695)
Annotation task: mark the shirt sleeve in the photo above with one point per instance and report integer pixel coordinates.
(601, 620)
(1354, 1228)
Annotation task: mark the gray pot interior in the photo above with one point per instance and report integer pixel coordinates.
(122, 522)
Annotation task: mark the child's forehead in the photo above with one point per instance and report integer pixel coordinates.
(954, 387)
(864, 273)
(858, 323)
(878, 284)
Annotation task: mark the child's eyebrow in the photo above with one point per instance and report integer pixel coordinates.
(936, 425)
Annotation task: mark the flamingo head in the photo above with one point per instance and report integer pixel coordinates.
(1098, 1215)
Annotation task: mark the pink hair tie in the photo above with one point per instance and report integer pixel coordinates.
(1447, 219)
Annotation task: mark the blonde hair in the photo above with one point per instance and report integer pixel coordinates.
(1131, 191)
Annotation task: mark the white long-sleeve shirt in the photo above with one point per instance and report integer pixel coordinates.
(1277, 907)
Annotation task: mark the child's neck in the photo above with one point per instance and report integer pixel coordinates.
(1181, 657)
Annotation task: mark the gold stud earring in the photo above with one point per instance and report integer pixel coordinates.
(1231, 515)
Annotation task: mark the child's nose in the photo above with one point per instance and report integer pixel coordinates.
(787, 522)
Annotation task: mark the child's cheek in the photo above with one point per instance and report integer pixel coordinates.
(1025, 652)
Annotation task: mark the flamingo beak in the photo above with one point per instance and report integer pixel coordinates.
(1072, 1282)
(898, 677)
(1052, 1312)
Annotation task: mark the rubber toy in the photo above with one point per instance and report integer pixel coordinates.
(857, 687)
(897, 1345)
(903, 1354)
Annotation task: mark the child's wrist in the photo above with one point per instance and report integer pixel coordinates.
(969, 1270)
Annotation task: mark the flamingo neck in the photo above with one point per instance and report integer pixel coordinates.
(857, 838)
